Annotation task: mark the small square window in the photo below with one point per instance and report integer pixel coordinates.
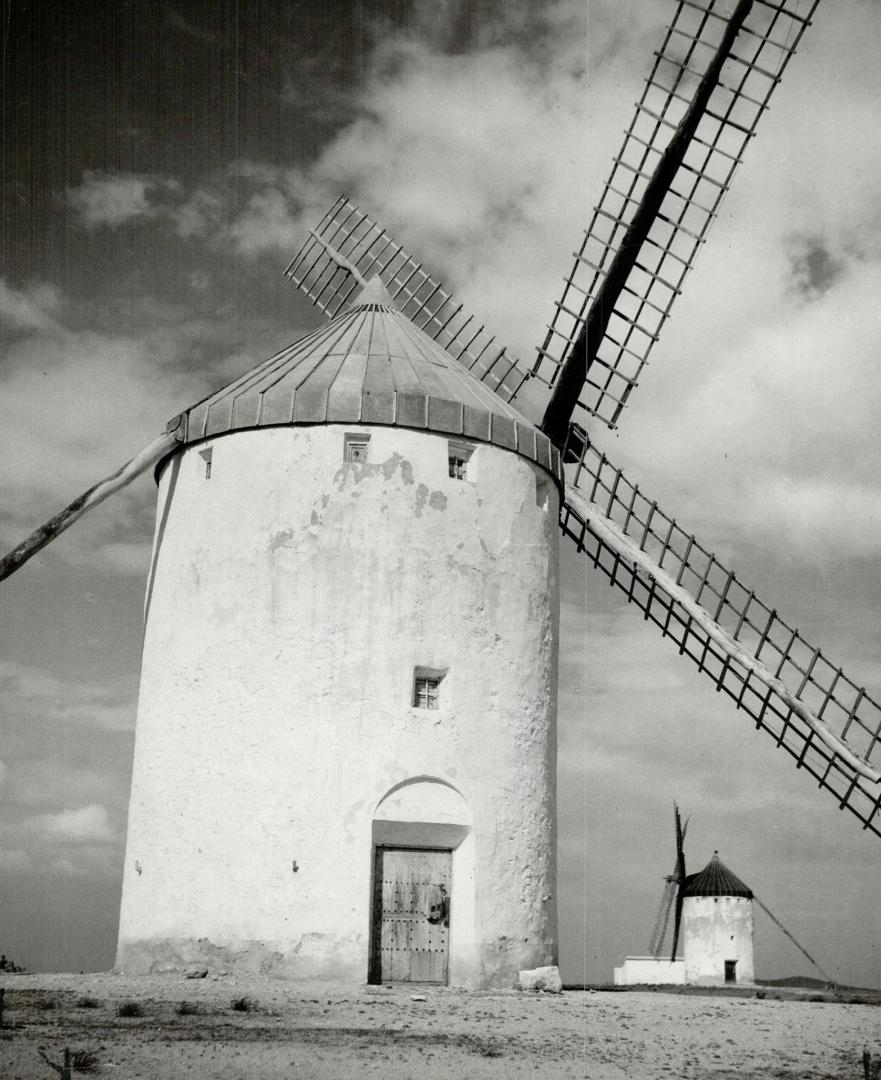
(426, 688)
(355, 449)
(425, 693)
(459, 456)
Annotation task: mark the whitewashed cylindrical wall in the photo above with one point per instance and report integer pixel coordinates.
(292, 597)
(716, 929)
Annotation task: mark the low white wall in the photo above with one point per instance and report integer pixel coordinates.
(646, 970)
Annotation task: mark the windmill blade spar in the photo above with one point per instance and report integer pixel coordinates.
(680, 877)
(362, 246)
(642, 241)
(831, 726)
(151, 455)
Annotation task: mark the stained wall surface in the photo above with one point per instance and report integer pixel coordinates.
(716, 929)
(292, 598)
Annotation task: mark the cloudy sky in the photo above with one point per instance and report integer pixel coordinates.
(161, 162)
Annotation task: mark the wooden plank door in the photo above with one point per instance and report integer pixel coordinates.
(412, 914)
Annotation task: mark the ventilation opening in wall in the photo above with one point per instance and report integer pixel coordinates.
(355, 448)
(207, 456)
(427, 688)
(459, 458)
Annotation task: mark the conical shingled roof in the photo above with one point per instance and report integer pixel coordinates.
(716, 880)
(369, 365)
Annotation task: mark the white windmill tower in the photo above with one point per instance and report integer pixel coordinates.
(345, 741)
(712, 919)
(244, 478)
(718, 927)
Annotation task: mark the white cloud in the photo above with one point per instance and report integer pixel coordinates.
(35, 693)
(486, 196)
(817, 519)
(482, 195)
(768, 433)
(32, 308)
(267, 223)
(111, 200)
(199, 215)
(86, 825)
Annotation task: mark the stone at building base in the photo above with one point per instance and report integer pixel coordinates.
(542, 978)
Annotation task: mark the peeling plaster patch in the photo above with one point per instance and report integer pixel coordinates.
(315, 519)
(281, 539)
(438, 500)
(388, 468)
(366, 471)
(421, 497)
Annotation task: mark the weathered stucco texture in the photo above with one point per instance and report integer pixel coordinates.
(716, 929)
(291, 598)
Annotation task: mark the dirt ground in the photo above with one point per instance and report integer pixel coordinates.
(317, 1032)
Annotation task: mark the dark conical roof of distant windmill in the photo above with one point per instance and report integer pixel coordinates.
(716, 880)
(368, 365)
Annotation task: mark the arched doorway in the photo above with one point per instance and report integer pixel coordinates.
(422, 909)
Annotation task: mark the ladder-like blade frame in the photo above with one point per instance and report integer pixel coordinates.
(824, 720)
(659, 931)
(370, 249)
(759, 55)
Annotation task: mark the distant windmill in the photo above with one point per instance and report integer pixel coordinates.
(295, 642)
(713, 920)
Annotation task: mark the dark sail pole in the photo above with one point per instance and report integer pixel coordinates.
(555, 423)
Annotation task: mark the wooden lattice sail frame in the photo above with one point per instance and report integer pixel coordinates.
(659, 258)
(829, 724)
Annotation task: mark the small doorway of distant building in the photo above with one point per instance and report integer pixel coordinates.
(411, 915)
(730, 971)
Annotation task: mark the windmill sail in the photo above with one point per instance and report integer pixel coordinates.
(825, 721)
(659, 260)
(659, 931)
(680, 878)
(674, 888)
(151, 455)
(368, 248)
